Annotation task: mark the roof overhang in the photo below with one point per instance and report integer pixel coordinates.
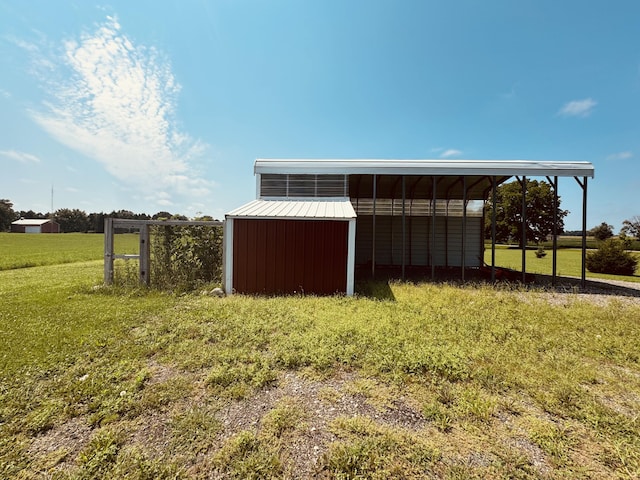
(502, 168)
(307, 209)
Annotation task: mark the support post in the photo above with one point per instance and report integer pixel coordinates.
(524, 229)
(373, 235)
(554, 263)
(493, 228)
(404, 228)
(464, 224)
(583, 184)
(433, 230)
(145, 255)
(108, 251)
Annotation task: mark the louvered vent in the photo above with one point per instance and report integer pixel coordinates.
(417, 207)
(298, 185)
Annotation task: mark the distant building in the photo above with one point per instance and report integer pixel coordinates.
(26, 225)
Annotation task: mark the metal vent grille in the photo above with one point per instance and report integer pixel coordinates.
(299, 185)
(417, 207)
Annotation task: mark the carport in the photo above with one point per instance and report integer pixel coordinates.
(417, 214)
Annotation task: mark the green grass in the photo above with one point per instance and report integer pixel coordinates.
(30, 250)
(435, 381)
(569, 263)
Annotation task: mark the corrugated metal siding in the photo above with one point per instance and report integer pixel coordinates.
(287, 256)
(447, 249)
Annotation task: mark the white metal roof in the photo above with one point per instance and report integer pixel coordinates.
(31, 222)
(426, 167)
(317, 209)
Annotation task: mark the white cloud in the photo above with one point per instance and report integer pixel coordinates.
(19, 156)
(451, 152)
(620, 156)
(4, 93)
(115, 103)
(578, 108)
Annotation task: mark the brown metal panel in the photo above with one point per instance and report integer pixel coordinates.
(286, 256)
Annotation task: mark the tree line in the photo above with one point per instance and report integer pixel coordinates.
(76, 220)
(539, 200)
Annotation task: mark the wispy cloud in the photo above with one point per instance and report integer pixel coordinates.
(620, 156)
(115, 102)
(451, 152)
(578, 108)
(19, 156)
(4, 93)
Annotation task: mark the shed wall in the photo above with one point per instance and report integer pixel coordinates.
(275, 256)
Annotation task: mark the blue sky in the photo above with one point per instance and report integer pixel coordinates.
(164, 105)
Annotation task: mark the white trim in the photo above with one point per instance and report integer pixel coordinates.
(425, 167)
(258, 186)
(351, 257)
(227, 249)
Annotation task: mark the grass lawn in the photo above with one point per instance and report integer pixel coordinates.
(438, 382)
(20, 250)
(569, 262)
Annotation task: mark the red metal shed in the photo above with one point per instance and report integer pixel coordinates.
(27, 225)
(290, 246)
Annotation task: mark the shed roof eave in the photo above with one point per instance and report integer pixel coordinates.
(311, 209)
(425, 167)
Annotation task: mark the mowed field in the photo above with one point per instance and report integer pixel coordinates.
(434, 381)
(569, 262)
(31, 250)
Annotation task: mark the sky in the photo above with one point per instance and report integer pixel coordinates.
(164, 105)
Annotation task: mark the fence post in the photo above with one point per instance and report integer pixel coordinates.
(108, 251)
(145, 257)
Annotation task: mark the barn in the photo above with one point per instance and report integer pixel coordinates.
(316, 224)
(33, 225)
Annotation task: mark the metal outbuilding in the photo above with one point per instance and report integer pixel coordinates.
(316, 221)
(25, 225)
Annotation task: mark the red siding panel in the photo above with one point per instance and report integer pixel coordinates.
(287, 256)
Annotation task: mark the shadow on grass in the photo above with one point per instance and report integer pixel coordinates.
(379, 287)
(375, 289)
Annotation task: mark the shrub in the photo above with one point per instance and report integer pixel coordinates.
(611, 257)
(185, 257)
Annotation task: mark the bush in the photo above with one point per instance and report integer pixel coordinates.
(183, 258)
(611, 257)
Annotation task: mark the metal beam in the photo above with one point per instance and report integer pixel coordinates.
(433, 229)
(493, 228)
(583, 184)
(373, 236)
(554, 264)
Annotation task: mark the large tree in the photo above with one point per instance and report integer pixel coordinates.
(631, 227)
(539, 212)
(72, 220)
(7, 215)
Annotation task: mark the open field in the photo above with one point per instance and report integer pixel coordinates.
(569, 263)
(19, 250)
(436, 381)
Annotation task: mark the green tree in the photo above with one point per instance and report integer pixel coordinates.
(7, 215)
(602, 231)
(631, 227)
(539, 212)
(72, 220)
